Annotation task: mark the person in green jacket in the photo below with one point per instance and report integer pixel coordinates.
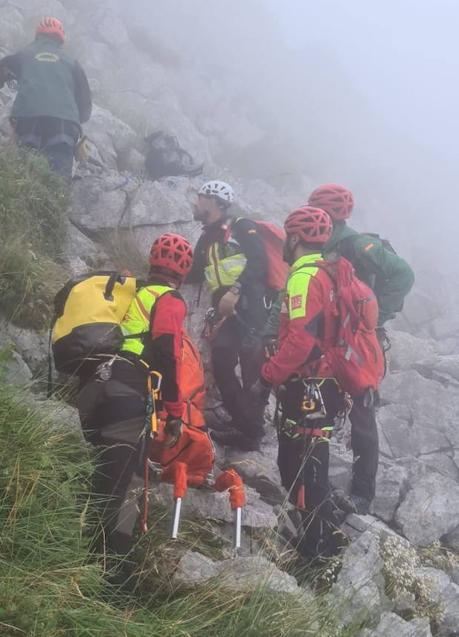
(53, 96)
(391, 278)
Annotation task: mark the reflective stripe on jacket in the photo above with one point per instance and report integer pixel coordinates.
(138, 317)
(225, 264)
(307, 323)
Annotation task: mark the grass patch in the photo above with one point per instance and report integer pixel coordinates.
(50, 586)
(33, 201)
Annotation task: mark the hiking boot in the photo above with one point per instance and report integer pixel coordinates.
(236, 439)
(361, 504)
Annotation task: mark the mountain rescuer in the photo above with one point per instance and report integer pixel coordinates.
(114, 403)
(391, 278)
(231, 257)
(309, 395)
(53, 96)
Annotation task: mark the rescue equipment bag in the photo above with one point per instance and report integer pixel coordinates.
(356, 359)
(88, 313)
(273, 238)
(192, 384)
(193, 447)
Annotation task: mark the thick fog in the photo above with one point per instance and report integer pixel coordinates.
(359, 92)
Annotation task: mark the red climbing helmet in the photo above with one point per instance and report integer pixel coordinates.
(51, 26)
(313, 225)
(337, 200)
(173, 253)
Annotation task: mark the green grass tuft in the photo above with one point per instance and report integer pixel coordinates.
(33, 201)
(50, 585)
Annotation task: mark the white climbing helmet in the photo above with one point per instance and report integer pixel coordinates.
(219, 189)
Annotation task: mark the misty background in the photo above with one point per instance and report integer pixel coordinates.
(295, 93)
(359, 92)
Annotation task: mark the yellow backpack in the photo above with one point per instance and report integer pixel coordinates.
(88, 313)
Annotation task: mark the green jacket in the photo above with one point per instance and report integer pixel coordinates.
(50, 83)
(385, 272)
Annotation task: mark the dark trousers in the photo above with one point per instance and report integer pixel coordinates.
(51, 137)
(113, 419)
(365, 446)
(233, 345)
(117, 483)
(303, 465)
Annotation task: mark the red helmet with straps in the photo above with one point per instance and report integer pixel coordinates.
(173, 253)
(313, 225)
(51, 26)
(337, 200)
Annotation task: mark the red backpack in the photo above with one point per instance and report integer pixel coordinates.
(273, 238)
(356, 359)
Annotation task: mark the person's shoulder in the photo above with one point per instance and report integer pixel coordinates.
(366, 242)
(301, 277)
(243, 224)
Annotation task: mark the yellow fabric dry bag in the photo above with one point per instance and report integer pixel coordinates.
(88, 313)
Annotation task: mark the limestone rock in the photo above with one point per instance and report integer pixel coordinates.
(110, 135)
(451, 539)
(259, 470)
(98, 204)
(32, 347)
(239, 574)
(418, 310)
(15, 370)
(355, 525)
(358, 594)
(81, 253)
(391, 481)
(111, 29)
(36, 9)
(445, 326)
(162, 202)
(442, 462)
(11, 28)
(391, 625)
(407, 349)
(61, 415)
(441, 591)
(249, 573)
(209, 505)
(432, 409)
(444, 366)
(403, 436)
(195, 568)
(430, 510)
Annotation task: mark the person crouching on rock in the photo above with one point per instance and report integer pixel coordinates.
(310, 397)
(113, 403)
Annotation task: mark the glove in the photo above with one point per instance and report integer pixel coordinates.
(227, 305)
(172, 431)
(270, 346)
(260, 391)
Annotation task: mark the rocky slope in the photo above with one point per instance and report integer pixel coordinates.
(390, 573)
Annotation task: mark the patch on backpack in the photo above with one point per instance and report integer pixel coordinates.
(47, 57)
(296, 302)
